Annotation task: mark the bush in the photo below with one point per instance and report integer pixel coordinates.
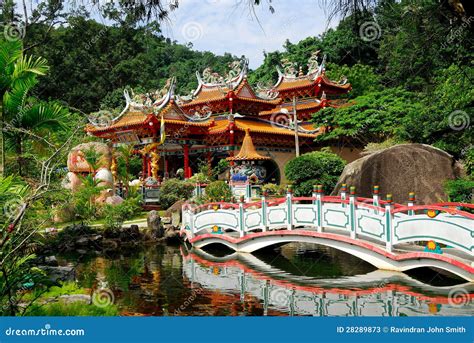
(218, 190)
(460, 190)
(115, 215)
(173, 190)
(318, 167)
(274, 190)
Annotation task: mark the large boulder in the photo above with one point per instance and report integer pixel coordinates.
(76, 162)
(401, 169)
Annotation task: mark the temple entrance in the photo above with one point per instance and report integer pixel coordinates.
(273, 172)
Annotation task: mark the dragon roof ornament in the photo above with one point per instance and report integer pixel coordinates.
(266, 91)
(152, 101)
(238, 70)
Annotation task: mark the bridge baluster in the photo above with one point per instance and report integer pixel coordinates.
(241, 217)
(344, 193)
(388, 223)
(289, 207)
(352, 213)
(411, 202)
(375, 197)
(319, 205)
(264, 211)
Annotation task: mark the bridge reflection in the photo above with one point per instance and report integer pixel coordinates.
(379, 293)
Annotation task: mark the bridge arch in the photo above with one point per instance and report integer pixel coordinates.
(368, 252)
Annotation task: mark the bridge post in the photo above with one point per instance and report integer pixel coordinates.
(389, 222)
(411, 202)
(264, 211)
(241, 217)
(191, 220)
(319, 205)
(375, 197)
(344, 193)
(289, 207)
(352, 212)
(248, 192)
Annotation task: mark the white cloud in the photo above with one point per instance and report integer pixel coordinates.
(229, 26)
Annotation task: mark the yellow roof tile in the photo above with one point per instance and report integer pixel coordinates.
(247, 151)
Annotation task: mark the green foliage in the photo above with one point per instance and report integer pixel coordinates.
(218, 191)
(173, 190)
(362, 78)
(221, 167)
(132, 56)
(319, 167)
(115, 215)
(199, 178)
(444, 117)
(274, 190)
(469, 161)
(83, 200)
(373, 117)
(460, 190)
(77, 308)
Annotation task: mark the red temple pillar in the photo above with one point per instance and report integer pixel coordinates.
(186, 161)
(149, 166)
(231, 141)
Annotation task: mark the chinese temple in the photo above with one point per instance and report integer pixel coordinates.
(221, 114)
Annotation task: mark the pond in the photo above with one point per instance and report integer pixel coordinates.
(295, 279)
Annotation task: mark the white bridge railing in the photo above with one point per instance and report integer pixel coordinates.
(370, 218)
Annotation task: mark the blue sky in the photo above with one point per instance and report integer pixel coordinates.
(227, 26)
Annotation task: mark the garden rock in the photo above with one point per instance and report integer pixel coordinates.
(401, 169)
(154, 224)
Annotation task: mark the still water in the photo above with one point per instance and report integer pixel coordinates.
(295, 279)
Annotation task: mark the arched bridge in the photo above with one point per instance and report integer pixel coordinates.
(380, 232)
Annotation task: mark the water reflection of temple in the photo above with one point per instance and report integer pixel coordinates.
(379, 293)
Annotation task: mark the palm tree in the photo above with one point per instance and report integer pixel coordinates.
(23, 115)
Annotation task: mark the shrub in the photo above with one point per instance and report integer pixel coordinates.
(199, 178)
(173, 190)
(115, 215)
(460, 190)
(318, 167)
(274, 190)
(218, 190)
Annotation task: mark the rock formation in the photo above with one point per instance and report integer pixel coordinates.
(401, 169)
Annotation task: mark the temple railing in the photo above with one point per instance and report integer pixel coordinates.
(360, 218)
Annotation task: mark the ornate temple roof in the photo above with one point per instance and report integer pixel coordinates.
(260, 126)
(247, 151)
(219, 103)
